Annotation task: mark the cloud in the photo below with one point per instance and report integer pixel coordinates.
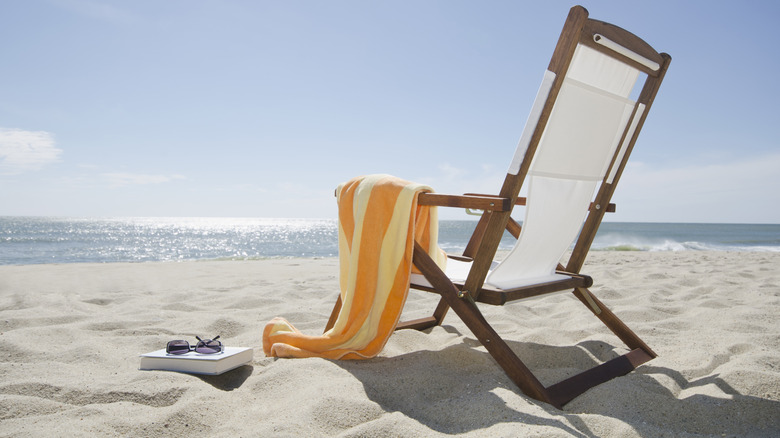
(124, 179)
(739, 191)
(22, 151)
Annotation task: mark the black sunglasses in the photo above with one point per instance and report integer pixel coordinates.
(204, 346)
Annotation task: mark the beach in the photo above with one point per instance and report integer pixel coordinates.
(72, 333)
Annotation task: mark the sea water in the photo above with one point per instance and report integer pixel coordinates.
(35, 240)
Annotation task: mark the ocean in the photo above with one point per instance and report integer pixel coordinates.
(36, 240)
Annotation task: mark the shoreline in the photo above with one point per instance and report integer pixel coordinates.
(73, 333)
(134, 240)
(499, 255)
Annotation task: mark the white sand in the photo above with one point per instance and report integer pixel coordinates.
(71, 335)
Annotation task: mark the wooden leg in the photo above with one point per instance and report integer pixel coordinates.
(472, 317)
(560, 393)
(334, 314)
(476, 236)
(427, 322)
(618, 327)
(441, 311)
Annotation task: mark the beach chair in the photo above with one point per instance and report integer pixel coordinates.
(581, 130)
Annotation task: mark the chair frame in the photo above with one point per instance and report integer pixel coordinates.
(482, 247)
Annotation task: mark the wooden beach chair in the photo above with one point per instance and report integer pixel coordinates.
(581, 130)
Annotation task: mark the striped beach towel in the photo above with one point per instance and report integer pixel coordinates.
(379, 219)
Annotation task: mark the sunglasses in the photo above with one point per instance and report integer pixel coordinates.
(204, 346)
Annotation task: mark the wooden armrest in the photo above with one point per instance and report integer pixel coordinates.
(610, 207)
(477, 202)
(522, 200)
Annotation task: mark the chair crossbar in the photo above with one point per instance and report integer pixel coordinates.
(499, 297)
(608, 43)
(568, 389)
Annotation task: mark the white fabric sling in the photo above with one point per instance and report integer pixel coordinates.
(585, 128)
(590, 117)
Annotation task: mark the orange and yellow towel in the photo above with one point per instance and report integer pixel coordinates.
(379, 219)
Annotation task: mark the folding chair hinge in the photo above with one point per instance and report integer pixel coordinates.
(466, 294)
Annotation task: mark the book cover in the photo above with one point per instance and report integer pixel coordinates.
(195, 363)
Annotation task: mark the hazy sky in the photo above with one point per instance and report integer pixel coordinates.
(260, 108)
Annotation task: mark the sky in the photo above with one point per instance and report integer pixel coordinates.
(261, 108)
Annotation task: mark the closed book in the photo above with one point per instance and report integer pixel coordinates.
(196, 363)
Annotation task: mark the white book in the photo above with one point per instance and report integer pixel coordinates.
(196, 363)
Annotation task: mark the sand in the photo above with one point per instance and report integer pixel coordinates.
(71, 335)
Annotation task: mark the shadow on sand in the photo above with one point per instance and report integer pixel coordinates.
(464, 393)
(230, 380)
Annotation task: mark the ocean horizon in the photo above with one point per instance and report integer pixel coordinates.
(39, 240)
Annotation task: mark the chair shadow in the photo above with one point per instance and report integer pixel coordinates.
(230, 380)
(458, 390)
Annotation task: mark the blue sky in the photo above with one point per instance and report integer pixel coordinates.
(260, 108)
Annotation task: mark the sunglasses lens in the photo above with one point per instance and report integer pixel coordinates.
(208, 347)
(177, 347)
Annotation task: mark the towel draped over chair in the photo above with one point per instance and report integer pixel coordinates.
(379, 220)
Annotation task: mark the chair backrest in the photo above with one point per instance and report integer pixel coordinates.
(583, 125)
